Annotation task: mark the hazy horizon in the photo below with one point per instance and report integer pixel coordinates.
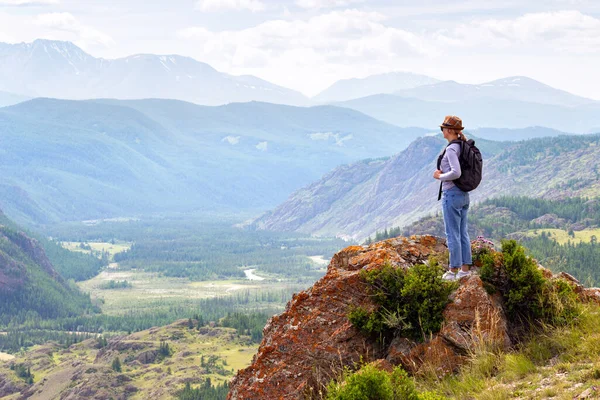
(307, 45)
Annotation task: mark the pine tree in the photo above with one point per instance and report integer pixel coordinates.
(116, 365)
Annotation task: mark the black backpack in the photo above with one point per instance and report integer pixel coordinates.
(471, 165)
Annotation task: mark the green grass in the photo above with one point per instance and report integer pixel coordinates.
(562, 236)
(97, 247)
(557, 363)
(150, 291)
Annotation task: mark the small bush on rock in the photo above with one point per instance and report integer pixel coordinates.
(410, 302)
(527, 294)
(371, 383)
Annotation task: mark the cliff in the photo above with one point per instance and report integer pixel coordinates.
(313, 340)
(29, 284)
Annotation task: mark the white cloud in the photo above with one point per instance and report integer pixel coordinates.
(318, 4)
(564, 31)
(231, 139)
(217, 5)
(312, 52)
(28, 2)
(86, 36)
(4, 38)
(338, 35)
(262, 146)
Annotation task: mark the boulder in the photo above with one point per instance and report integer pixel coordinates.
(313, 340)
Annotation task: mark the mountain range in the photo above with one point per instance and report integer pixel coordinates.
(354, 201)
(47, 68)
(348, 89)
(77, 160)
(479, 112)
(515, 88)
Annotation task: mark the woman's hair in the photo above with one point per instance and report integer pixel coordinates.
(460, 134)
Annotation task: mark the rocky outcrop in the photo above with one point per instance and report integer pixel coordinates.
(11, 274)
(32, 248)
(473, 320)
(13, 271)
(9, 385)
(312, 341)
(549, 221)
(585, 294)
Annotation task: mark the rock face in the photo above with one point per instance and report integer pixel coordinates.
(312, 341)
(473, 319)
(13, 271)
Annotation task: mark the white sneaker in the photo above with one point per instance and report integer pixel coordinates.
(449, 276)
(462, 273)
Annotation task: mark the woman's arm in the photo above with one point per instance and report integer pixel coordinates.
(455, 171)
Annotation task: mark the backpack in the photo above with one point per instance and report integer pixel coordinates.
(471, 165)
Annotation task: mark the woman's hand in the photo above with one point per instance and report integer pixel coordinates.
(437, 174)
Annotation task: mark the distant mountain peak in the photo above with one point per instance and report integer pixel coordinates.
(55, 48)
(353, 88)
(51, 68)
(512, 88)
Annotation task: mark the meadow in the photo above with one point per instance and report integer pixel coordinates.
(563, 237)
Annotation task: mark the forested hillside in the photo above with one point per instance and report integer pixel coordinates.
(81, 160)
(30, 287)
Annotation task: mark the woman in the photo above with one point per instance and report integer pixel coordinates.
(455, 202)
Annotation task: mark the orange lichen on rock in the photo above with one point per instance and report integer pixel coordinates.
(312, 340)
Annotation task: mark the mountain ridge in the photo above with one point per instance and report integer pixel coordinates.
(479, 112)
(46, 68)
(399, 190)
(520, 88)
(110, 158)
(347, 89)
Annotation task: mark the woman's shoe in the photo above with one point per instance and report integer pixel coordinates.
(462, 273)
(449, 276)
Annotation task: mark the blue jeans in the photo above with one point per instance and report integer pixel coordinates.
(455, 206)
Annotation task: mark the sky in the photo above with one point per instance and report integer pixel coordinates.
(307, 45)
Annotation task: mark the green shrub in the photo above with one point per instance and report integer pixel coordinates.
(116, 365)
(424, 297)
(409, 303)
(371, 383)
(115, 285)
(368, 322)
(23, 372)
(528, 296)
(525, 282)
